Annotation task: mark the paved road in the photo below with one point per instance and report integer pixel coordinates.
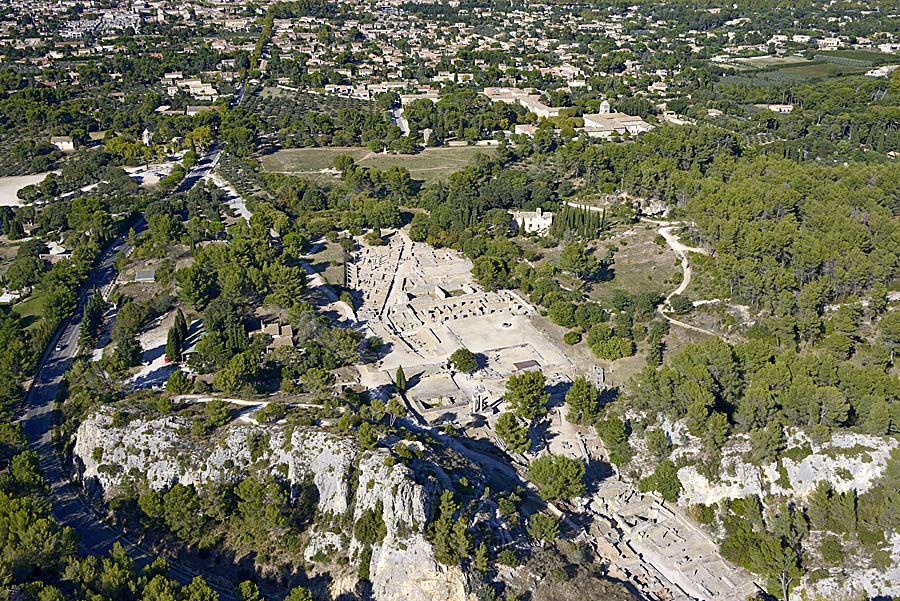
(95, 535)
(203, 168)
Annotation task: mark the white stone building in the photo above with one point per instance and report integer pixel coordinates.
(537, 221)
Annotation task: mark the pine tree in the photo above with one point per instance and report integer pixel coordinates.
(299, 594)
(178, 383)
(526, 395)
(395, 409)
(480, 562)
(513, 434)
(582, 400)
(128, 351)
(449, 536)
(92, 319)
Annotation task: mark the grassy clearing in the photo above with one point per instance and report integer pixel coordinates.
(31, 310)
(139, 291)
(8, 251)
(308, 161)
(640, 263)
(432, 164)
(329, 263)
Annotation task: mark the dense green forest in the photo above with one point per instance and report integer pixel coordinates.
(821, 233)
(798, 209)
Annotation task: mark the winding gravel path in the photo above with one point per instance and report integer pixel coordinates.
(681, 250)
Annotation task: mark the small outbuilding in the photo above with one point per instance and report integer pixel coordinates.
(145, 276)
(64, 143)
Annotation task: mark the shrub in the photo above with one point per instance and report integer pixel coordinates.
(572, 337)
(370, 528)
(543, 527)
(681, 304)
(664, 481)
(832, 550)
(507, 557)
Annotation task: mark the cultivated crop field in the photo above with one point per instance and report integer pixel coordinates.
(765, 62)
(818, 70)
(867, 56)
(794, 73)
(274, 103)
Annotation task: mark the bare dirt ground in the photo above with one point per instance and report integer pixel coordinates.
(9, 186)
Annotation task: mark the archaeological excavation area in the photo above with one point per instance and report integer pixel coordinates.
(423, 303)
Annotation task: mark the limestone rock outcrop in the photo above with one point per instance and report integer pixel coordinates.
(848, 462)
(350, 482)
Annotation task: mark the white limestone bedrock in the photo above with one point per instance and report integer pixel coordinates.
(402, 568)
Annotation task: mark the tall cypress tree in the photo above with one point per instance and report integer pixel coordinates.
(174, 345)
(400, 379)
(181, 325)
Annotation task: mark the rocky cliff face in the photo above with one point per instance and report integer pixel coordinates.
(402, 565)
(848, 461)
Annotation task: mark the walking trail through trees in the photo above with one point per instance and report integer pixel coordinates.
(666, 230)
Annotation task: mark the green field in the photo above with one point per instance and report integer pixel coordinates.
(329, 262)
(873, 57)
(31, 310)
(308, 161)
(793, 74)
(432, 164)
(819, 70)
(768, 62)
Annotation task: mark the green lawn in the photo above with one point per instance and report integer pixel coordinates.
(329, 262)
(31, 310)
(432, 164)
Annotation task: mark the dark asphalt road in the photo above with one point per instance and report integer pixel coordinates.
(69, 509)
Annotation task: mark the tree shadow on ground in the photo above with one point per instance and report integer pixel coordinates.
(155, 377)
(558, 394)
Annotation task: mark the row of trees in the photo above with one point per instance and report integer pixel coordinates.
(581, 222)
